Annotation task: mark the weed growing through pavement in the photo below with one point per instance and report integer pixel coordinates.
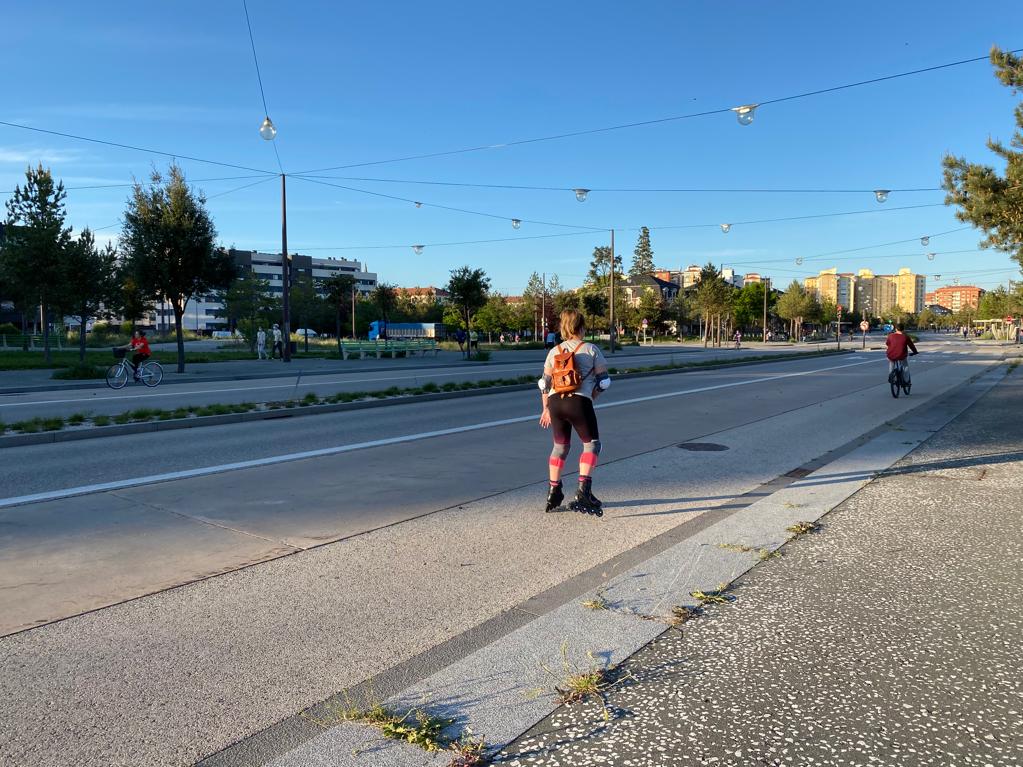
(417, 726)
(599, 602)
(718, 596)
(765, 554)
(575, 684)
(802, 528)
(734, 547)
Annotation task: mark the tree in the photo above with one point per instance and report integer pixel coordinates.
(748, 305)
(539, 302)
(35, 246)
(493, 316)
(651, 308)
(713, 299)
(306, 305)
(169, 242)
(995, 304)
(989, 201)
(385, 298)
(794, 305)
(339, 293)
(600, 267)
(643, 255)
(247, 303)
(926, 319)
(129, 300)
(88, 279)
(468, 288)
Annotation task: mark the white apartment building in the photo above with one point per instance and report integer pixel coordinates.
(201, 312)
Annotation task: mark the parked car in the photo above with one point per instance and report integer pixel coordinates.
(779, 335)
(222, 334)
(306, 333)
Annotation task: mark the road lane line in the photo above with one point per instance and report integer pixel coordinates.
(121, 484)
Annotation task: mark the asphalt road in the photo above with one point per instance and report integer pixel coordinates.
(433, 516)
(369, 375)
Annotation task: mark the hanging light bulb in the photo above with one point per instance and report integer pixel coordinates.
(725, 228)
(744, 114)
(925, 240)
(419, 204)
(937, 277)
(580, 194)
(881, 194)
(417, 249)
(516, 223)
(267, 129)
(799, 261)
(930, 256)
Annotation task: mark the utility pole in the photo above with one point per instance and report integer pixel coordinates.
(611, 310)
(543, 307)
(353, 311)
(767, 288)
(285, 273)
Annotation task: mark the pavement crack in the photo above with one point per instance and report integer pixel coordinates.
(154, 507)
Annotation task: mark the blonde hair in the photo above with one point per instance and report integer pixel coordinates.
(572, 324)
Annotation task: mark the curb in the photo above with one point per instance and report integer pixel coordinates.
(145, 427)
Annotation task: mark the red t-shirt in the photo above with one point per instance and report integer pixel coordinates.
(140, 346)
(899, 345)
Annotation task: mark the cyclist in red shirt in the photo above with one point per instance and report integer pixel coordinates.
(140, 348)
(899, 347)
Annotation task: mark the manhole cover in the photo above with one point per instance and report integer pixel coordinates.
(703, 447)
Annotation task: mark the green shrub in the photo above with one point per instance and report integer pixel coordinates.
(101, 420)
(122, 418)
(310, 399)
(8, 329)
(80, 371)
(449, 386)
(76, 419)
(52, 424)
(430, 388)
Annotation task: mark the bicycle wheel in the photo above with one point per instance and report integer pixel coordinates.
(151, 373)
(906, 386)
(117, 376)
(895, 379)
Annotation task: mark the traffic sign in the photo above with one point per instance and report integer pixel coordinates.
(864, 326)
(839, 308)
(644, 323)
(1010, 319)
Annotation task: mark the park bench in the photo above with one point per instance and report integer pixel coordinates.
(379, 349)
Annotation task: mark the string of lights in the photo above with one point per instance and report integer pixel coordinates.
(743, 113)
(618, 190)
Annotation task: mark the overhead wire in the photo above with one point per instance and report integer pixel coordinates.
(641, 123)
(259, 78)
(118, 145)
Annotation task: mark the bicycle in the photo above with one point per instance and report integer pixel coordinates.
(149, 372)
(898, 378)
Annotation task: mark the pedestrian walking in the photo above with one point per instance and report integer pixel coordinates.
(261, 344)
(474, 341)
(278, 347)
(460, 337)
(574, 375)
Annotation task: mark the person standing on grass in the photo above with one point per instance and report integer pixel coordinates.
(261, 344)
(574, 375)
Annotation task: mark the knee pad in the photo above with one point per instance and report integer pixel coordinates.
(592, 447)
(559, 451)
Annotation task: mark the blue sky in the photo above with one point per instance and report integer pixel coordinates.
(350, 83)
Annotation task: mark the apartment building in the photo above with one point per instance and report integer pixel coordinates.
(956, 297)
(869, 293)
(201, 312)
(829, 284)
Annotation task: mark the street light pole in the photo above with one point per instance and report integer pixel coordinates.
(611, 310)
(767, 287)
(285, 273)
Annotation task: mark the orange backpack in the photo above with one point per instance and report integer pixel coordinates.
(565, 376)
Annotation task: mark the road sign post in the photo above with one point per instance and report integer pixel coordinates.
(838, 328)
(864, 327)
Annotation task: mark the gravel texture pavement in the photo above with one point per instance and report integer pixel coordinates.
(890, 637)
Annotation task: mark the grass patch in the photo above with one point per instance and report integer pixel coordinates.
(430, 388)
(734, 547)
(122, 418)
(76, 419)
(101, 420)
(143, 414)
(599, 602)
(765, 554)
(310, 399)
(449, 386)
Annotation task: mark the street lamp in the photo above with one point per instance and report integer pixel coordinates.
(418, 249)
(744, 114)
(925, 240)
(725, 228)
(580, 194)
(516, 223)
(881, 195)
(268, 132)
(930, 256)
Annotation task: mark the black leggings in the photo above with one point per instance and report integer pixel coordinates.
(572, 411)
(137, 359)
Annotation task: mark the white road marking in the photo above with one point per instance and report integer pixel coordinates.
(339, 449)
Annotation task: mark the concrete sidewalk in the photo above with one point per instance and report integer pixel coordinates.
(890, 637)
